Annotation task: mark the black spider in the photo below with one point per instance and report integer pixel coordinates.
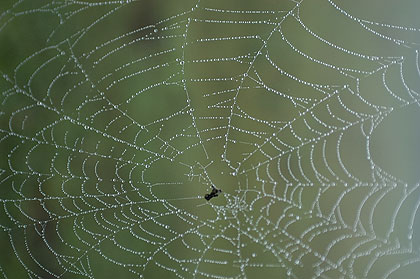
(214, 193)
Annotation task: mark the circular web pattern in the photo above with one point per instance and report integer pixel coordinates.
(118, 117)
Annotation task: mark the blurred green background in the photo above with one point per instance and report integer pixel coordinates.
(117, 117)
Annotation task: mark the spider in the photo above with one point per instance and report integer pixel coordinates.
(214, 193)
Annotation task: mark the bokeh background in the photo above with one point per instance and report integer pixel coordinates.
(117, 117)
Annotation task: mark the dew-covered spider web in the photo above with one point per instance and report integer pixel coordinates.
(118, 117)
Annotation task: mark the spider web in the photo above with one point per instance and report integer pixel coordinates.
(117, 117)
